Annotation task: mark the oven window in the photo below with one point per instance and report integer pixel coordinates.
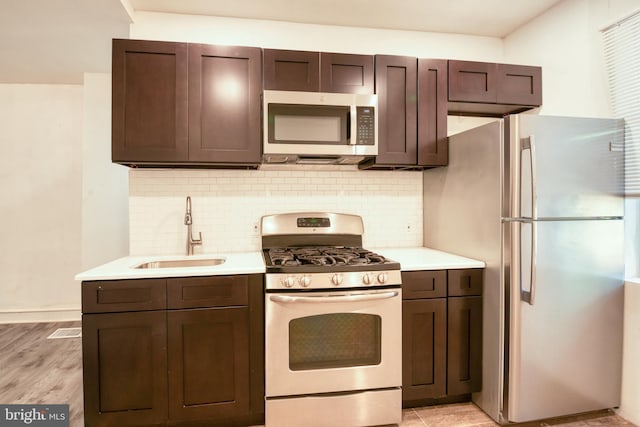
(334, 341)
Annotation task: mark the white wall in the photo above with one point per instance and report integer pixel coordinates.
(327, 38)
(40, 180)
(630, 408)
(64, 204)
(105, 203)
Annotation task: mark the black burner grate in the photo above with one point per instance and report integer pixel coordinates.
(324, 256)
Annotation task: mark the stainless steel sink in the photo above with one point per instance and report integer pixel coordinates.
(182, 263)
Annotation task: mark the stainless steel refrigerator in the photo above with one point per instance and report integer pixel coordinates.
(539, 199)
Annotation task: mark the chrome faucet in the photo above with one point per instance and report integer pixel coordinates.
(191, 242)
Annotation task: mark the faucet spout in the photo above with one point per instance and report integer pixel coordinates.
(188, 221)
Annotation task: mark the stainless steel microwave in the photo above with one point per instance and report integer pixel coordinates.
(319, 128)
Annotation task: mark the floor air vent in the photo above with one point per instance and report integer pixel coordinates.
(66, 333)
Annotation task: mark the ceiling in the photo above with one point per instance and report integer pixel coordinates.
(45, 41)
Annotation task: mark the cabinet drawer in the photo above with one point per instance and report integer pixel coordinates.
(424, 284)
(217, 291)
(124, 295)
(464, 282)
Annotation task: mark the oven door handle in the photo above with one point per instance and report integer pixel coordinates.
(337, 298)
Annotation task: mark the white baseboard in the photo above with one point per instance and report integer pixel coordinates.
(40, 315)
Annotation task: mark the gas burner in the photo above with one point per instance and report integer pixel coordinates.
(323, 256)
(316, 251)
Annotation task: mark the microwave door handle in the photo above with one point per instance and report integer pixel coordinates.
(352, 130)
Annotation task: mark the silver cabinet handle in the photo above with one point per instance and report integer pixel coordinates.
(337, 298)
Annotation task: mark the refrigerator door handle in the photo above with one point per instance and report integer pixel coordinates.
(529, 296)
(528, 143)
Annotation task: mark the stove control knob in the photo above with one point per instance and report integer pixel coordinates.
(366, 279)
(288, 281)
(336, 279)
(382, 278)
(305, 281)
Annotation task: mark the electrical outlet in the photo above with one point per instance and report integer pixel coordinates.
(256, 228)
(409, 228)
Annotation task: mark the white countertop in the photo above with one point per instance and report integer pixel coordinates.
(123, 268)
(410, 259)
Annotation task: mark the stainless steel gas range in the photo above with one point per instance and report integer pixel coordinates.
(333, 346)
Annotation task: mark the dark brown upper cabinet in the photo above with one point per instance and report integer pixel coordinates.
(318, 71)
(346, 73)
(291, 70)
(149, 105)
(185, 104)
(489, 89)
(433, 144)
(412, 113)
(396, 81)
(225, 93)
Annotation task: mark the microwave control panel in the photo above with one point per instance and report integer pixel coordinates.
(366, 126)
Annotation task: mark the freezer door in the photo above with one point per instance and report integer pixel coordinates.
(565, 348)
(565, 167)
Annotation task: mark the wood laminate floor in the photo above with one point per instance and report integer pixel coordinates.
(37, 370)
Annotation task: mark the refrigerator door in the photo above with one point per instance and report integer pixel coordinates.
(565, 349)
(565, 167)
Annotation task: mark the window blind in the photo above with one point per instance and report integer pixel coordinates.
(622, 59)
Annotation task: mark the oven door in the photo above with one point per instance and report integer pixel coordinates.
(333, 341)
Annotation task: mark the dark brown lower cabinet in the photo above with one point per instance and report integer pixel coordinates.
(424, 348)
(208, 364)
(441, 336)
(124, 360)
(193, 358)
(464, 345)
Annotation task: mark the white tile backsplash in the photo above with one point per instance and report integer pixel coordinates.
(227, 205)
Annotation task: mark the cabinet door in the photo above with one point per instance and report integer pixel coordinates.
(471, 81)
(149, 109)
(424, 343)
(208, 364)
(519, 84)
(396, 86)
(346, 73)
(225, 89)
(291, 70)
(124, 368)
(464, 348)
(433, 145)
